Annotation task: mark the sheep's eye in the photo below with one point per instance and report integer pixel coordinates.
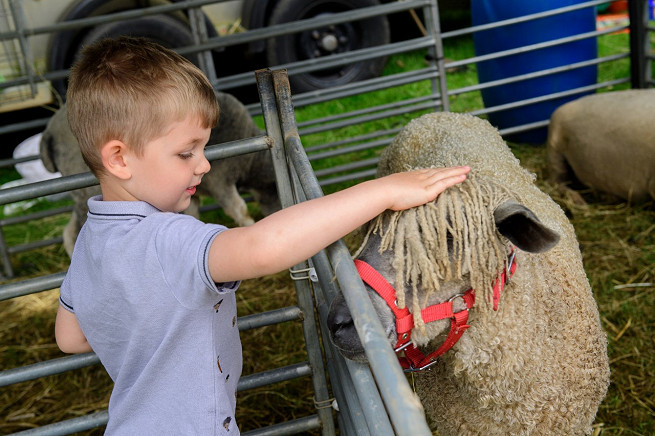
(451, 243)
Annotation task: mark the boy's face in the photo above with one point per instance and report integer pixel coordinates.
(171, 167)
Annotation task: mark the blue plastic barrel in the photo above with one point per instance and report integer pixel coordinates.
(522, 34)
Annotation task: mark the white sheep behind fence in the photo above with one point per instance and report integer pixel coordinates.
(606, 141)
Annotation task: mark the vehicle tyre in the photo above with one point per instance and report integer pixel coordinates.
(339, 38)
(162, 29)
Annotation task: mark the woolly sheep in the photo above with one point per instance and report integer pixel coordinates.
(607, 142)
(537, 365)
(252, 172)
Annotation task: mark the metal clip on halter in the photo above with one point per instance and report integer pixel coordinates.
(420, 368)
(460, 295)
(508, 269)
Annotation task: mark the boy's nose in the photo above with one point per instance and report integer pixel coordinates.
(203, 166)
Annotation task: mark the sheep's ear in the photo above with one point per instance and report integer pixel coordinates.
(522, 227)
(46, 151)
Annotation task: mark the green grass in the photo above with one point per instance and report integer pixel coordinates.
(617, 242)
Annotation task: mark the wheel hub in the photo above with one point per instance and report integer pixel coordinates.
(329, 43)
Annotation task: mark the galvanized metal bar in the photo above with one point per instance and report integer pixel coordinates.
(331, 61)
(69, 363)
(548, 97)
(4, 256)
(273, 130)
(348, 90)
(12, 220)
(376, 116)
(252, 381)
(401, 402)
(350, 415)
(70, 426)
(350, 149)
(106, 18)
(34, 245)
(358, 55)
(361, 392)
(535, 74)
(12, 161)
(17, 127)
(200, 35)
(28, 59)
(639, 43)
(296, 426)
(360, 175)
(522, 19)
(313, 347)
(99, 419)
(370, 85)
(352, 418)
(305, 128)
(239, 147)
(355, 165)
(83, 180)
(311, 23)
(47, 368)
(407, 416)
(387, 133)
(538, 46)
(242, 38)
(437, 57)
(48, 75)
(263, 319)
(303, 291)
(31, 286)
(46, 187)
(276, 375)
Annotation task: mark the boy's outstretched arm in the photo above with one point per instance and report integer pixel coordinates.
(296, 233)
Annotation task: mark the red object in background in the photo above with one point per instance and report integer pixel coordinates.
(618, 7)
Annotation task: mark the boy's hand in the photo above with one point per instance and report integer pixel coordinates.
(414, 188)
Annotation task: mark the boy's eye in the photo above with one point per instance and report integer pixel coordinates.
(185, 155)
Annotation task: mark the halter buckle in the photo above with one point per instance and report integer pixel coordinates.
(508, 268)
(402, 347)
(460, 295)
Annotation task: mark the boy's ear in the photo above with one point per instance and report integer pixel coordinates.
(114, 160)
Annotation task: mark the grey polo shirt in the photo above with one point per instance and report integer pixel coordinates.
(140, 287)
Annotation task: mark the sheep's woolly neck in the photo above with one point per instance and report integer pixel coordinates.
(449, 239)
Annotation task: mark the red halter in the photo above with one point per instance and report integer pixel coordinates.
(414, 359)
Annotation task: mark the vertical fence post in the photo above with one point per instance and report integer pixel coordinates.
(281, 125)
(638, 10)
(431, 14)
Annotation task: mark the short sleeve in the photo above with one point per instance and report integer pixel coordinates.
(183, 245)
(65, 297)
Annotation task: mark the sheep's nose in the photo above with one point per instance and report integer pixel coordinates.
(339, 317)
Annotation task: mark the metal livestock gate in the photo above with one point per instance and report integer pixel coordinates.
(369, 398)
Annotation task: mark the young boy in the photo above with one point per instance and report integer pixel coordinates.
(151, 290)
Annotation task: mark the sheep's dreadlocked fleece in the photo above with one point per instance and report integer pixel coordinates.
(419, 237)
(539, 364)
(445, 240)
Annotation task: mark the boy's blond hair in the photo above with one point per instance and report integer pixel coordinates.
(130, 89)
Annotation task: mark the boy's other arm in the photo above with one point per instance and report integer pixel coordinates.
(296, 233)
(68, 333)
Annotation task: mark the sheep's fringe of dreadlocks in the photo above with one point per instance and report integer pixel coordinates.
(445, 240)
